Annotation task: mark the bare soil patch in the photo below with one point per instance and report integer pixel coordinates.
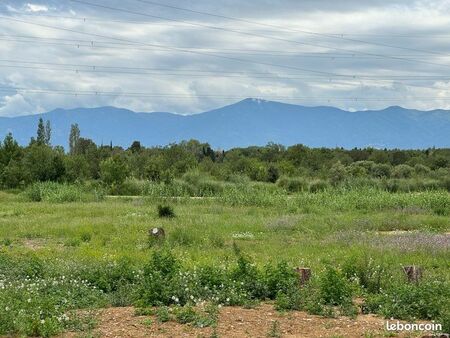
(240, 322)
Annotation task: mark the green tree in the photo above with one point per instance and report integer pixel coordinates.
(48, 133)
(74, 138)
(135, 147)
(338, 173)
(12, 176)
(40, 134)
(42, 163)
(77, 168)
(9, 150)
(114, 171)
(272, 174)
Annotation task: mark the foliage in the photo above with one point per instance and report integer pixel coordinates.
(60, 193)
(165, 211)
(427, 300)
(202, 171)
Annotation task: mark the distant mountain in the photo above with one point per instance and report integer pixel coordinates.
(248, 122)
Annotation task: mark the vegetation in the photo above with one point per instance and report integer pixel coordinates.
(198, 170)
(354, 217)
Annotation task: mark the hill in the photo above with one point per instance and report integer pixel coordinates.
(245, 123)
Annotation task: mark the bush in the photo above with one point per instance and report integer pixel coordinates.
(369, 275)
(402, 171)
(334, 288)
(34, 306)
(380, 170)
(165, 211)
(421, 169)
(425, 300)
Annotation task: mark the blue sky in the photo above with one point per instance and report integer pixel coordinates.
(139, 55)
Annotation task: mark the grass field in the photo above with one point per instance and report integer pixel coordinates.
(363, 236)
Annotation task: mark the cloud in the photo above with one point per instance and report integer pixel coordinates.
(203, 68)
(36, 8)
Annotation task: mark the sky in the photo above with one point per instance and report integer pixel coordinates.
(192, 56)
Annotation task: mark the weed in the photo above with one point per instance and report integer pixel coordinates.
(275, 331)
(165, 211)
(163, 314)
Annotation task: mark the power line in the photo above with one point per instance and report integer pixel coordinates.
(258, 35)
(193, 96)
(204, 72)
(86, 19)
(333, 36)
(252, 52)
(172, 48)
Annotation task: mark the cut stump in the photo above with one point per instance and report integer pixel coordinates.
(413, 273)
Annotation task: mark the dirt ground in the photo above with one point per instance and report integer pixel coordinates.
(239, 322)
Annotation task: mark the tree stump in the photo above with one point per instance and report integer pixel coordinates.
(413, 273)
(156, 235)
(304, 275)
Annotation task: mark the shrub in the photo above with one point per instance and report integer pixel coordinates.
(425, 300)
(421, 169)
(402, 171)
(86, 237)
(163, 314)
(165, 211)
(158, 278)
(334, 288)
(380, 170)
(370, 275)
(248, 276)
(279, 279)
(34, 307)
(186, 314)
(337, 173)
(114, 170)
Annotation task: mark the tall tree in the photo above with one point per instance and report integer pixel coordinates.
(74, 138)
(40, 137)
(48, 133)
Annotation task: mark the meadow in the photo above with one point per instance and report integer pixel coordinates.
(68, 247)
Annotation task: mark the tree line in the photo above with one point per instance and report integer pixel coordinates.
(112, 165)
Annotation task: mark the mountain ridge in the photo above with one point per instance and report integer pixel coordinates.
(245, 123)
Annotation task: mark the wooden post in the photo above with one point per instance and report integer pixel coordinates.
(304, 275)
(413, 273)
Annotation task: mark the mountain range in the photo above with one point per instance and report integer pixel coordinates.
(245, 123)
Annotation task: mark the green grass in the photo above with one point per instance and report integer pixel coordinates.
(106, 242)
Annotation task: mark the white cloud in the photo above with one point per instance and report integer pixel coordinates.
(400, 17)
(35, 8)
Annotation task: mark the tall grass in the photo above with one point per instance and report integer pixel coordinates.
(60, 193)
